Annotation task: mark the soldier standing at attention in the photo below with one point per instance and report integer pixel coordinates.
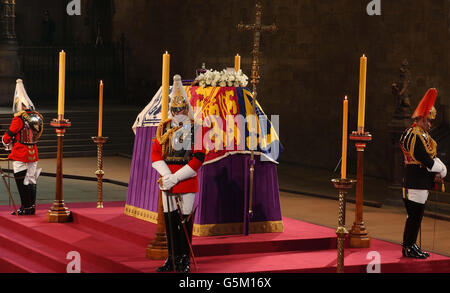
(21, 138)
(423, 170)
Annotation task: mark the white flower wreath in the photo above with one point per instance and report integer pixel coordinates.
(222, 79)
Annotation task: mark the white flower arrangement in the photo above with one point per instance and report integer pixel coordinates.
(223, 78)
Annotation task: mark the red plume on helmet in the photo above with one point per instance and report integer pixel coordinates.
(426, 105)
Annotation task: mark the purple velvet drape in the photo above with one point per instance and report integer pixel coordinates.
(223, 184)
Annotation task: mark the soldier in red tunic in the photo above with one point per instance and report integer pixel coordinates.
(177, 160)
(22, 135)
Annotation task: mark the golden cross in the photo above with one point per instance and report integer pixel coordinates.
(257, 29)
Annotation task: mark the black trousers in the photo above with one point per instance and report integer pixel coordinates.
(24, 191)
(176, 236)
(412, 226)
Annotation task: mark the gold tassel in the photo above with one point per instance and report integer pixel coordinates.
(443, 187)
(404, 192)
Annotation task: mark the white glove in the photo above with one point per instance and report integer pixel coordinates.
(168, 182)
(443, 173)
(184, 173)
(162, 168)
(7, 146)
(439, 167)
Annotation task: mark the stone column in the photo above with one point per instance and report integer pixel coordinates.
(400, 121)
(9, 58)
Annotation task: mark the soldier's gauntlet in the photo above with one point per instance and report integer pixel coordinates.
(162, 168)
(438, 167)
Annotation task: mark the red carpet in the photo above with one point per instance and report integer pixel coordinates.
(110, 242)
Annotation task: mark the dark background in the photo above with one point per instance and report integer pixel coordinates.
(307, 66)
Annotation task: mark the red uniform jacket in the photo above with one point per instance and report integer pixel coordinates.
(19, 152)
(189, 185)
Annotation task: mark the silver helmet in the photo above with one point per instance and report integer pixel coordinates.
(21, 99)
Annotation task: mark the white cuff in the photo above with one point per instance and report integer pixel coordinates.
(438, 166)
(161, 167)
(185, 173)
(7, 146)
(443, 173)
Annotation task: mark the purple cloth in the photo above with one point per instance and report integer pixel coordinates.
(142, 187)
(222, 186)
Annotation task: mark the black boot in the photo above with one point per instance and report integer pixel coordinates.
(183, 262)
(171, 225)
(415, 214)
(23, 193)
(412, 252)
(32, 189)
(427, 254)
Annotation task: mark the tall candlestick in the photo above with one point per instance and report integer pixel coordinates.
(100, 111)
(62, 84)
(165, 86)
(344, 140)
(237, 62)
(362, 93)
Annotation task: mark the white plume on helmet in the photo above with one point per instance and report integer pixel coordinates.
(21, 98)
(179, 97)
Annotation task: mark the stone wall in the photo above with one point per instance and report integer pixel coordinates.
(68, 29)
(307, 67)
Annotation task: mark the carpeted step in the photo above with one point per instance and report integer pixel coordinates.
(48, 262)
(67, 237)
(112, 242)
(203, 246)
(120, 225)
(126, 227)
(10, 265)
(11, 262)
(323, 261)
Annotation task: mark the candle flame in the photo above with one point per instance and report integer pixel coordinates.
(346, 97)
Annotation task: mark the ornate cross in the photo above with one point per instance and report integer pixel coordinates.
(257, 28)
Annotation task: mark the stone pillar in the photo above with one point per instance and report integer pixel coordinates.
(400, 121)
(9, 58)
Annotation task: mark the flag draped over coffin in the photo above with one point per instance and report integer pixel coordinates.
(229, 125)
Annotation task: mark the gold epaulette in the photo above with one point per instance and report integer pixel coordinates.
(428, 142)
(160, 135)
(164, 137)
(409, 143)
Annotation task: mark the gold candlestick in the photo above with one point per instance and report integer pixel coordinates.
(157, 249)
(343, 185)
(99, 140)
(59, 213)
(359, 237)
